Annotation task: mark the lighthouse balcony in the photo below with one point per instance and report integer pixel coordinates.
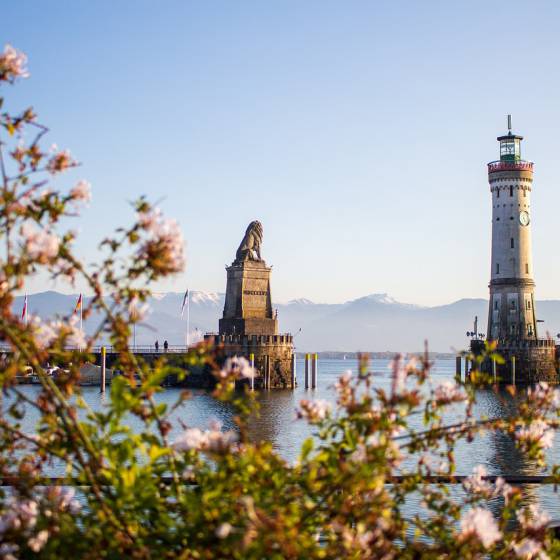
(500, 165)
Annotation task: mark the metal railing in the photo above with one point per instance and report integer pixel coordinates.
(499, 165)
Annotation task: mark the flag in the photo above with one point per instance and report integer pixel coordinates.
(78, 304)
(185, 302)
(24, 310)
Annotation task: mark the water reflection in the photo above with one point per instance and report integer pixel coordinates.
(276, 422)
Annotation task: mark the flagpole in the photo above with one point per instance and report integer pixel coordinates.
(188, 317)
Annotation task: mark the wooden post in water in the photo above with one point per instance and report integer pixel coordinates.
(103, 367)
(513, 370)
(494, 371)
(267, 370)
(307, 371)
(294, 370)
(252, 362)
(458, 368)
(314, 371)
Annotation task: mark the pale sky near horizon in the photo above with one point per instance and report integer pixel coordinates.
(357, 132)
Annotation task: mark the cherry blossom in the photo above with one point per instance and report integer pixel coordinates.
(59, 162)
(12, 64)
(238, 367)
(532, 518)
(314, 411)
(81, 192)
(223, 530)
(538, 432)
(40, 245)
(529, 549)
(194, 439)
(37, 542)
(449, 392)
(479, 523)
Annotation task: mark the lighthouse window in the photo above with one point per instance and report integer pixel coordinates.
(497, 268)
(498, 193)
(526, 268)
(528, 304)
(512, 304)
(496, 304)
(512, 243)
(530, 329)
(510, 190)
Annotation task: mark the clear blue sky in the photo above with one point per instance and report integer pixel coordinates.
(357, 132)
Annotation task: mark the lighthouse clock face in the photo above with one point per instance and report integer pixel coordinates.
(524, 218)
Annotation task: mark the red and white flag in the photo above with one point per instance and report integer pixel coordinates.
(24, 310)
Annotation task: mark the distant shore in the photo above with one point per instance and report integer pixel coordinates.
(329, 355)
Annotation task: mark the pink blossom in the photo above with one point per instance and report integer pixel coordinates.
(60, 162)
(194, 439)
(479, 523)
(44, 333)
(314, 411)
(223, 530)
(449, 392)
(81, 192)
(538, 432)
(529, 549)
(164, 247)
(40, 245)
(238, 367)
(12, 64)
(532, 518)
(37, 542)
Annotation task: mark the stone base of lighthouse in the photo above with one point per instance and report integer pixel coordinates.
(526, 361)
(273, 356)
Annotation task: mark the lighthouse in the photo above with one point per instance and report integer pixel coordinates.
(512, 319)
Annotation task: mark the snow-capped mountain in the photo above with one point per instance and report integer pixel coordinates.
(372, 323)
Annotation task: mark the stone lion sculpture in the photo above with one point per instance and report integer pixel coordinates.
(250, 247)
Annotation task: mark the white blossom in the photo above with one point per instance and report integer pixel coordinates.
(223, 530)
(538, 432)
(449, 392)
(81, 192)
(208, 440)
(12, 64)
(165, 243)
(480, 523)
(532, 518)
(529, 549)
(314, 411)
(37, 542)
(39, 244)
(60, 162)
(239, 367)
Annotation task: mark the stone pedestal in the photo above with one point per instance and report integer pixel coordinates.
(248, 305)
(535, 360)
(249, 326)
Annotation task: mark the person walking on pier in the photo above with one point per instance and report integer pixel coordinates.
(157, 345)
(165, 346)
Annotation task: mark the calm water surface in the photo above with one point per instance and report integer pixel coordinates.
(277, 423)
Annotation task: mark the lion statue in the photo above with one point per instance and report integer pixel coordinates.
(251, 243)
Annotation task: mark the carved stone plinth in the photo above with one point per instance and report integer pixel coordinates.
(248, 305)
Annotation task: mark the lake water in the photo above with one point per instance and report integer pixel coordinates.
(277, 422)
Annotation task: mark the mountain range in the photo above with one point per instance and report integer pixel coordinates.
(373, 323)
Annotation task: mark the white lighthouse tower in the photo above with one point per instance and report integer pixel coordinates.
(512, 318)
(512, 304)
